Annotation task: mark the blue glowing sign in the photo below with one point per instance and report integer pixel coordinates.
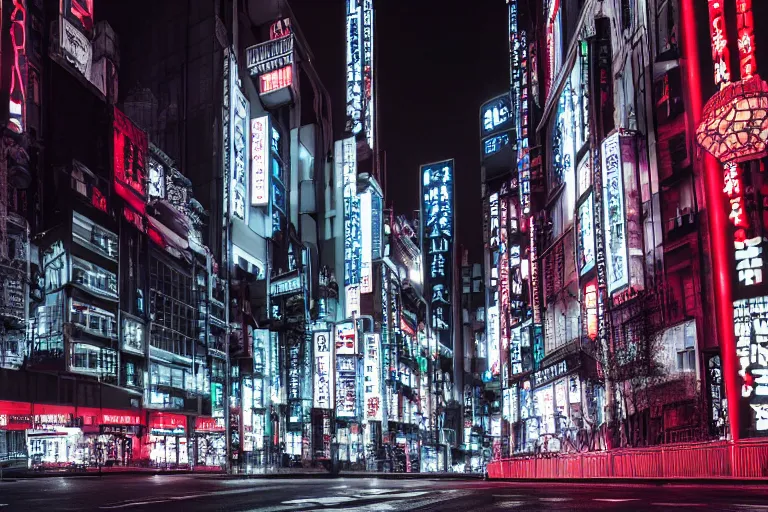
(496, 115)
(494, 144)
(437, 244)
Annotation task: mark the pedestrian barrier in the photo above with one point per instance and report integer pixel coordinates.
(720, 459)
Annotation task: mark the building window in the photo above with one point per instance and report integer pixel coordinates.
(686, 360)
(94, 237)
(93, 320)
(130, 374)
(94, 278)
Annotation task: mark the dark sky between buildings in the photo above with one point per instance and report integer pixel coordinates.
(437, 62)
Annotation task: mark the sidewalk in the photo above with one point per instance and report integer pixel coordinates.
(104, 471)
(219, 474)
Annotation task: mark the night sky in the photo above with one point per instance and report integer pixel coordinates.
(437, 62)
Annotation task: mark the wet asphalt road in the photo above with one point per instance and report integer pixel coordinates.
(211, 493)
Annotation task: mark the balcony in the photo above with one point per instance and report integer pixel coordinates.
(679, 227)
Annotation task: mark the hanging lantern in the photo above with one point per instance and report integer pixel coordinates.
(734, 124)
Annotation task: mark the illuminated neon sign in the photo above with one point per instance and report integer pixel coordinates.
(323, 389)
(260, 161)
(17, 106)
(352, 229)
(719, 38)
(276, 80)
(615, 218)
(437, 241)
(368, 78)
(354, 68)
(130, 153)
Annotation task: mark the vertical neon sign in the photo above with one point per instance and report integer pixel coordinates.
(437, 241)
(746, 38)
(17, 106)
(719, 39)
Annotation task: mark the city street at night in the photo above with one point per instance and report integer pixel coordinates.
(213, 493)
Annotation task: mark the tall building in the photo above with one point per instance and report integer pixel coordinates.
(593, 188)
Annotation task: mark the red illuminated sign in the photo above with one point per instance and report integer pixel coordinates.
(208, 425)
(590, 303)
(275, 80)
(17, 106)
(745, 31)
(130, 151)
(120, 419)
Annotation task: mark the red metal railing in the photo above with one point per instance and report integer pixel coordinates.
(722, 459)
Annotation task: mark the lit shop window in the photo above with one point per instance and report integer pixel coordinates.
(94, 278)
(89, 234)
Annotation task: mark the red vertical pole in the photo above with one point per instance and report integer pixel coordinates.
(718, 226)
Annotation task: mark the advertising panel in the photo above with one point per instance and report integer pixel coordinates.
(372, 378)
(492, 337)
(130, 155)
(354, 68)
(496, 115)
(260, 161)
(235, 125)
(270, 55)
(615, 227)
(437, 243)
(366, 227)
(323, 371)
(276, 80)
(352, 228)
(503, 290)
(346, 339)
(368, 77)
(585, 236)
(346, 386)
(750, 321)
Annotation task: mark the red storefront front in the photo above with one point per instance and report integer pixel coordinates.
(62, 435)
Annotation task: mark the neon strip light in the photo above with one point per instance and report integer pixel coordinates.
(17, 106)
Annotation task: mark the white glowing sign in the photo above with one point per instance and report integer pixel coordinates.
(437, 241)
(323, 371)
(366, 226)
(372, 378)
(615, 226)
(352, 229)
(235, 115)
(585, 236)
(368, 77)
(750, 321)
(354, 68)
(260, 161)
(492, 330)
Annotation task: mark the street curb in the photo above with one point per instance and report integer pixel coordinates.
(328, 476)
(89, 474)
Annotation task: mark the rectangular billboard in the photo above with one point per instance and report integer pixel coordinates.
(366, 226)
(260, 144)
(372, 377)
(355, 99)
(323, 371)
(352, 228)
(615, 227)
(437, 245)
